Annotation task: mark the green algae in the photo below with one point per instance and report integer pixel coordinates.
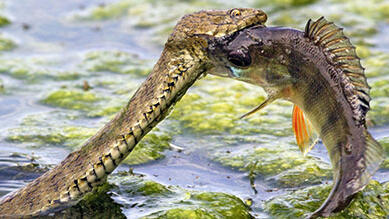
(36, 70)
(379, 113)
(288, 3)
(141, 11)
(154, 200)
(6, 44)
(136, 185)
(211, 205)
(42, 130)
(105, 111)
(372, 202)
(71, 99)
(150, 148)
(385, 144)
(68, 75)
(283, 166)
(107, 11)
(4, 21)
(220, 203)
(152, 188)
(2, 89)
(377, 9)
(41, 136)
(380, 88)
(98, 204)
(180, 213)
(310, 173)
(115, 61)
(216, 110)
(376, 65)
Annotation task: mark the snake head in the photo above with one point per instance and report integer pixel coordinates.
(211, 24)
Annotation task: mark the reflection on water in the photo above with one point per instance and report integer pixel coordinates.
(7, 107)
(16, 170)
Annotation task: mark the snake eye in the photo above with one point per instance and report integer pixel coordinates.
(239, 58)
(235, 13)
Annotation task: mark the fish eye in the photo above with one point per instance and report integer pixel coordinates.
(235, 13)
(239, 59)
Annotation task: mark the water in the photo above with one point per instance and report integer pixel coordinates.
(51, 41)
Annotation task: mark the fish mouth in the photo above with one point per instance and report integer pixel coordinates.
(218, 51)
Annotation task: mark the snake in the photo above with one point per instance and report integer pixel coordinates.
(183, 60)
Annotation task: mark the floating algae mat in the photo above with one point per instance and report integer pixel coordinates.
(67, 68)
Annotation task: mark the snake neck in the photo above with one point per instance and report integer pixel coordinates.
(83, 170)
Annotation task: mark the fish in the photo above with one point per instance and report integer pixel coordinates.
(319, 71)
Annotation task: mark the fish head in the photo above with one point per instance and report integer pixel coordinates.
(252, 57)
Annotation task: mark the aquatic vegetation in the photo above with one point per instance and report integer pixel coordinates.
(6, 44)
(36, 70)
(311, 173)
(115, 61)
(150, 199)
(2, 89)
(216, 109)
(71, 99)
(385, 144)
(376, 65)
(42, 130)
(41, 134)
(4, 21)
(141, 10)
(377, 9)
(20, 69)
(109, 11)
(380, 88)
(372, 202)
(379, 114)
(280, 165)
(288, 3)
(98, 204)
(150, 148)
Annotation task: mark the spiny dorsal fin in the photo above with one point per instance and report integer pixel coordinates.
(341, 53)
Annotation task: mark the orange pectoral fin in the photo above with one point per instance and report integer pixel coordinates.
(303, 131)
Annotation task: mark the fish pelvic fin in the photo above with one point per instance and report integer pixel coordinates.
(354, 174)
(348, 72)
(306, 138)
(268, 101)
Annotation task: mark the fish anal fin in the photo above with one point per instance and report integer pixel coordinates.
(302, 128)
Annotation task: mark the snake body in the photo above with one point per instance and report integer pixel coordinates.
(183, 60)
